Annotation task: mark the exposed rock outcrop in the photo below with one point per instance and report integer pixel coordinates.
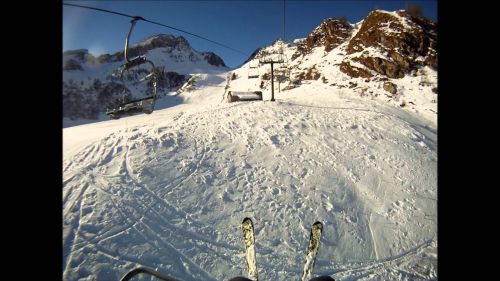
(390, 87)
(330, 34)
(405, 42)
(213, 59)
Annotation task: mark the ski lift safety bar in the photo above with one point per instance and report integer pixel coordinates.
(149, 271)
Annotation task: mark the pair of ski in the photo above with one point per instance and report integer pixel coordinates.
(312, 249)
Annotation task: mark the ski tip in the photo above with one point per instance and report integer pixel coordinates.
(247, 219)
(318, 224)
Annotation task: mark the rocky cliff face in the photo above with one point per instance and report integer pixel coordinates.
(213, 59)
(329, 34)
(402, 44)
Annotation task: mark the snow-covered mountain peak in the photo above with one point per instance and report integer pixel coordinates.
(164, 40)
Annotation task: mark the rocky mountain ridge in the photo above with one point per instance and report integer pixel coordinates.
(385, 45)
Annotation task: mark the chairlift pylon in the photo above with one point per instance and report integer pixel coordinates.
(282, 71)
(143, 104)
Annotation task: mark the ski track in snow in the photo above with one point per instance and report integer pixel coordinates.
(170, 192)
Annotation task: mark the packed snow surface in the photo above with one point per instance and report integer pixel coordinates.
(169, 190)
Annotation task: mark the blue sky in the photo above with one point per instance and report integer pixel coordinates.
(242, 25)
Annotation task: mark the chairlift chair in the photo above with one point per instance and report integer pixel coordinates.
(144, 104)
(282, 74)
(253, 71)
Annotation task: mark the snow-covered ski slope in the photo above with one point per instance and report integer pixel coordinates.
(169, 190)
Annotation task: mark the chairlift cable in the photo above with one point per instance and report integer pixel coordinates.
(99, 9)
(160, 24)
(284, 17)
